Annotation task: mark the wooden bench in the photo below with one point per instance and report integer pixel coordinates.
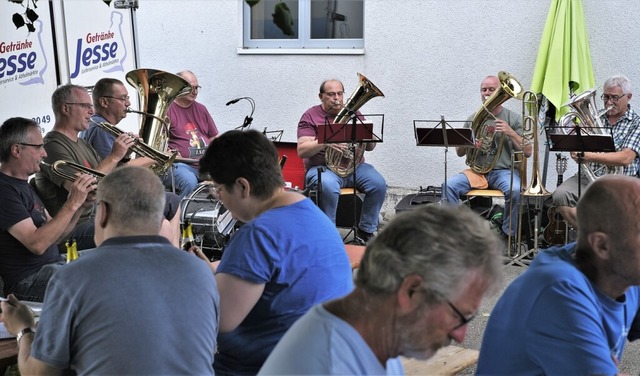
(8, 353)
(447, 361)
(355, 253)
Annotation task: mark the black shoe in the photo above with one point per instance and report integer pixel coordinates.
(363, 236)
(501, 234)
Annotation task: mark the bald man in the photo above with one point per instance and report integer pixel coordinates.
(573, 310)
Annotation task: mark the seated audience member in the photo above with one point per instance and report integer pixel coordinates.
(72, 108)
(571, 311)
(286, 257)
(110, 103)
(151, 309)
(28, 234)
(192, 129)
(420, 282)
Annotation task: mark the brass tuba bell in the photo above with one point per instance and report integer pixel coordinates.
(478, 159)
(156, 90)
(343, 163)
(583, 108)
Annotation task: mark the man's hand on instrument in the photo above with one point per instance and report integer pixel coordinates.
(121, 145)
(82, 192)
(502, 126)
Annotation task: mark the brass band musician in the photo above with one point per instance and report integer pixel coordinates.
(369, 181)
(504, 127)
(625, 125)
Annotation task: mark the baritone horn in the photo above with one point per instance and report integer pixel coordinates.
(343, 163)
(479, 159)
(583, 108)
(156, 90)
(67, 170)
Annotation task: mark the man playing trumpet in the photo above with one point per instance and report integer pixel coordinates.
(28, 234)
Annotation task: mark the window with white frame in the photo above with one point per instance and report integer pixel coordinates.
(303, 24)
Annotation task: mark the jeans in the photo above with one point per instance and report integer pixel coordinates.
(185, 176)
(368, 181)
(458, 185)
(34, 286)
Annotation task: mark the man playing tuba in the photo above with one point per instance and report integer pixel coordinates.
(368, 180)
(497, 135)
(625, 125)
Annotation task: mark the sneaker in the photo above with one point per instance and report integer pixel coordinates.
(363, 236)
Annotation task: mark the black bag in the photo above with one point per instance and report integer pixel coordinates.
(424, 197)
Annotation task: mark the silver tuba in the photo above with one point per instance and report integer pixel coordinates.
(583, 108)
(343, 163)
(156, 90)
(479, 159)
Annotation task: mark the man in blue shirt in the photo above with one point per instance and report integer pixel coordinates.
(573, 310)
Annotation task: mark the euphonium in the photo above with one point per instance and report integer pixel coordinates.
(67, 170)
(156, 90)
(343, 163)
(479, 158)
(584, 109)
(163, 160)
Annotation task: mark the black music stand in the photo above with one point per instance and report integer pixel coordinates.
(275, 136)
(352, 132)
(578, 140)
(439, 136)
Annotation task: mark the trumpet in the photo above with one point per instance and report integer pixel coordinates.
(163, 160)
(68, 170)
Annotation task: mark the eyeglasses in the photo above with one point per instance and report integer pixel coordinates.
(334, 94)
(37, 146)
(125, 98)
(463, 320)
(86, 106)
(196, 88)
(613, 98)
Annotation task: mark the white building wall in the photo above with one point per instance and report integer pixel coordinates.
(427, 56)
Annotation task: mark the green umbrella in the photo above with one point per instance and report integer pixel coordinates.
(564, 61)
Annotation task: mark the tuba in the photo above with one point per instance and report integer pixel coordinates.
(584, 109)
(343, 163)
(479, 158)
(156, 90)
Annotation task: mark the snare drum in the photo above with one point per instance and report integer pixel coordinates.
(211, 222)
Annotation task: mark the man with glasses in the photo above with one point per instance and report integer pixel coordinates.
(420, 282)
(72, 108)
(369, 181)
(192, 128)
(134, 306)
(28, 233)
(624, 123)
(110, 103)
(572, 311)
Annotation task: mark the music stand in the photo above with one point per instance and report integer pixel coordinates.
(578, 140)
(439, 136)
(275, 136)
(352, 132)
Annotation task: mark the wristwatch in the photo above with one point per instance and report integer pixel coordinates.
(23, 332)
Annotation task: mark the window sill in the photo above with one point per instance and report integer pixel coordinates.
(300, 51)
